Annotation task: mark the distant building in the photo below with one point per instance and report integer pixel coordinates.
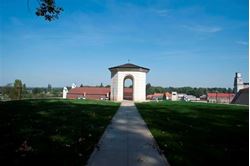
(238, 83)
(155, 96)
(95, 93)
(73, 86)
(65, 92)
(190, 98)
(167, 96)
(174, 96)
(241, 90)
(203, 97)
(220, 97)
(128, 94)
(242, 97)
(181, 96)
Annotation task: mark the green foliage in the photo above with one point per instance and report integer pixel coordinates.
(48, 10)
(18, 91)
(18, 86)
(148, 85)
(52, 132)
(24, 91)
(38, 90)
(199, 134)
(8, 91)
(187, 90)
(154, 89)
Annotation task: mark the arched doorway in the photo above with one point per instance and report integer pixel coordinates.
(119, 75)
(128, 85)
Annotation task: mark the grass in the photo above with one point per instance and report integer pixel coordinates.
(52, 132)
(199, 134)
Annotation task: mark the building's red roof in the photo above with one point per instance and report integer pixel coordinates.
(167, 94)
(94, 90)
(155, 95)
(220, 95)
(89, 90)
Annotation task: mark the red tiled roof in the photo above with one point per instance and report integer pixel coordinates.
(94, 90)
(220, 95)
(89, 90)
(157, 94)
(151, 96)
(167, 94)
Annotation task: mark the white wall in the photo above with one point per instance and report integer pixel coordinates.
(65, 91)
(174, 96)
(139, 85)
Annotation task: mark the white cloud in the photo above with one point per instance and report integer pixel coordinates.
(202, 28)
(161, 12)
(242, 43)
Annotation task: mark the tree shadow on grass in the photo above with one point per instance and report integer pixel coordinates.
(51, 132)
(199, 134)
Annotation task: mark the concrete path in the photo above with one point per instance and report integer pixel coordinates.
(127, 142)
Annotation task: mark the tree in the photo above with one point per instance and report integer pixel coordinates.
(148, 86)
(101, 85)
(18, 89)
(48, 10)
(81, 85)
(24, 87)
(36, 90)
(8, 91)
(24, 90)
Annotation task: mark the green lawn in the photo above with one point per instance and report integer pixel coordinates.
(192, 134)
(52, 132)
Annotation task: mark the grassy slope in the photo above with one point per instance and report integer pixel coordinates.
(57, 132)
(199, 134)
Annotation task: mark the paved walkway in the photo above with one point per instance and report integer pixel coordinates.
(127, 142)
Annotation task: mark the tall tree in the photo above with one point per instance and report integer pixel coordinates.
(8, 90)
(24, 90)
(18, 89)
(48, 9)
(148, 86)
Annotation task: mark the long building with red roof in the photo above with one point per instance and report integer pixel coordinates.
(220, 97)
(96, 93)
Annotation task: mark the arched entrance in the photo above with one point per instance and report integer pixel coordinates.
(128, 85)
(119, 75)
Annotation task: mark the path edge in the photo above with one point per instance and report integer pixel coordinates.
(90, 160)
(154, 141)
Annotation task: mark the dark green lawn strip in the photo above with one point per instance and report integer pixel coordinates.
(199, 134)
(57, 132)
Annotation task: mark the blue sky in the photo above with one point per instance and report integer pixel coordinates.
(199, 43)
